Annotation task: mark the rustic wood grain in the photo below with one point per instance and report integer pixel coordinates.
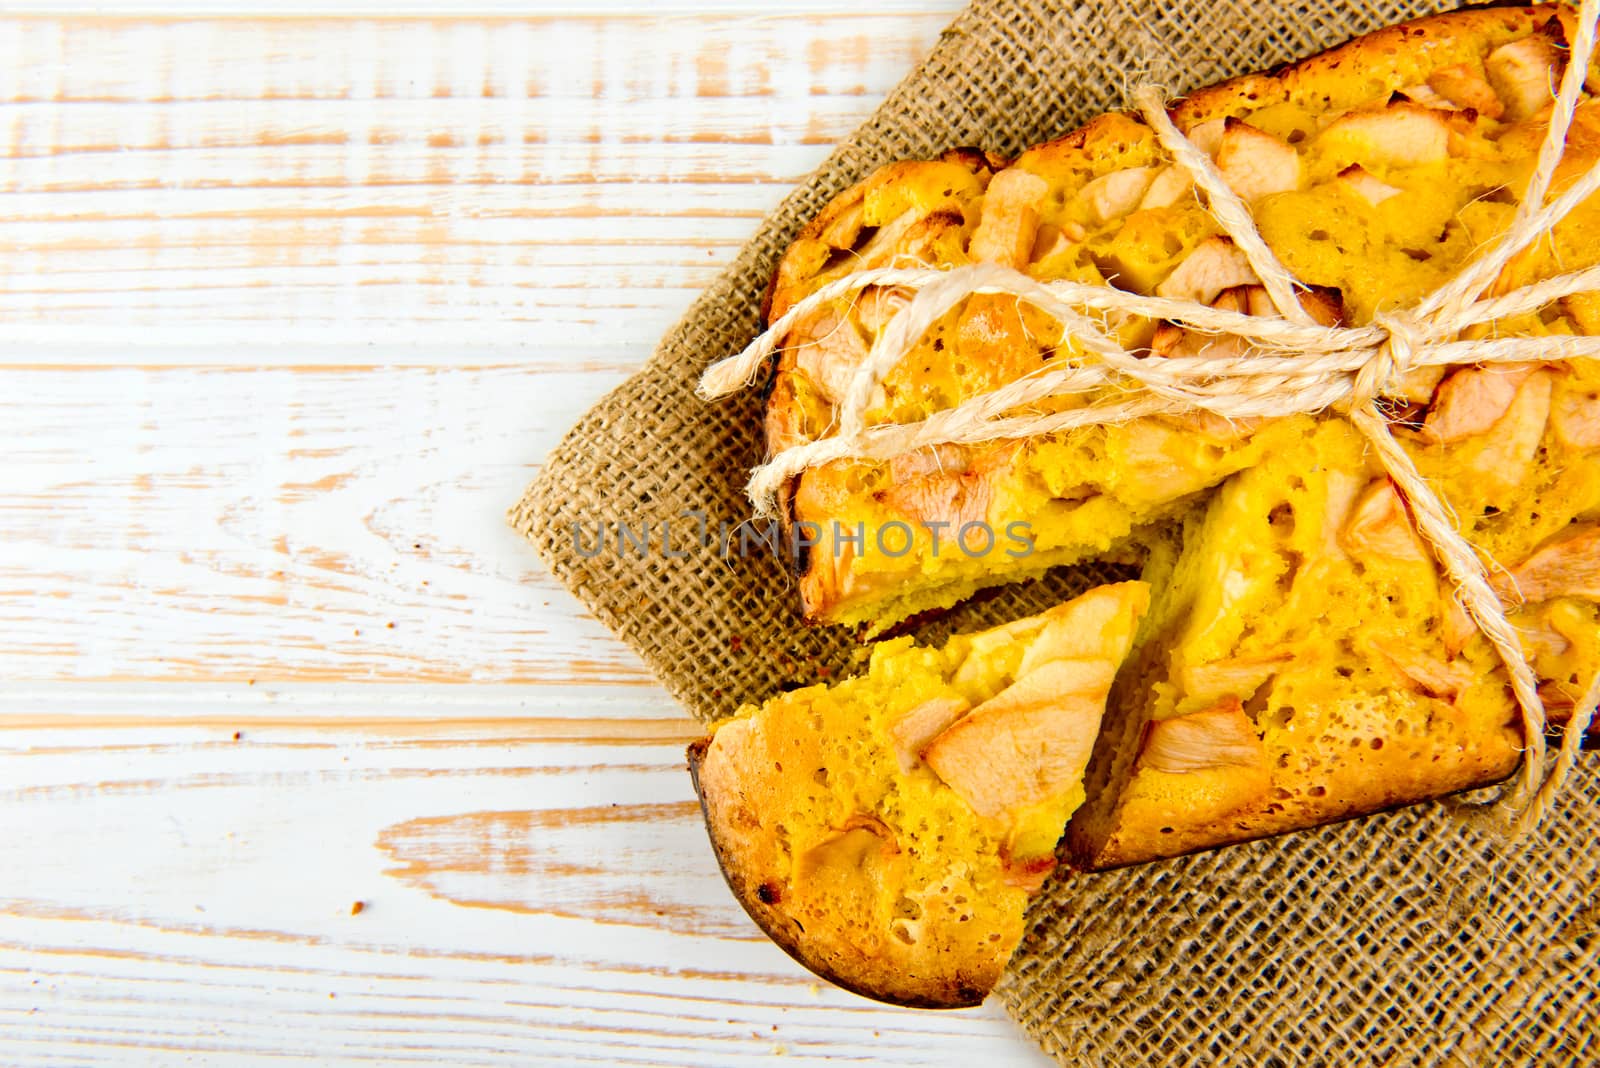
(510, 182)
(250, 524)
(184, 868)
(302, 755)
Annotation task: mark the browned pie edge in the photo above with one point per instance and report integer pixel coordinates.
(956, 993)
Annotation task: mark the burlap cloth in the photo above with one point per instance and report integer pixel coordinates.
(1413, 938)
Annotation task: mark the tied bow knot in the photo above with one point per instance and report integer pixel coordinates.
(1405, 337)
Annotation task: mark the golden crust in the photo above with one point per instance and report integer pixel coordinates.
(743, 853)
(1207, 809)
(1421, 45)
(1154, 830)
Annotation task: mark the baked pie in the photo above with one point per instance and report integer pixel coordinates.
(1302, 659)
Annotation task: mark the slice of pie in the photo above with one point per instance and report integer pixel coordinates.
(888, 831)
(1305, 661)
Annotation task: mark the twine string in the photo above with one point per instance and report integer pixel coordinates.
(1404, 337)
(1448, 301)
(1290, 365)
(1227, 206)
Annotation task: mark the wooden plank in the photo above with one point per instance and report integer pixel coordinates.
(615, 10)
(205, 524)
(502, 182)
(237, 999)
(743, 52)
(518, 807)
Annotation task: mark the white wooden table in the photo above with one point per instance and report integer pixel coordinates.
(301, 752)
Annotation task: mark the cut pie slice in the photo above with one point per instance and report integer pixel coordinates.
(888, 831)
(1304, 605)
(1297, 669)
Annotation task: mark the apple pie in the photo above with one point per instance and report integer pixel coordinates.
(1301, 659)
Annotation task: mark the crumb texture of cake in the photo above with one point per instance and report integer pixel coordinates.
(1375, 171)
(888, 831)
(1304, 660)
